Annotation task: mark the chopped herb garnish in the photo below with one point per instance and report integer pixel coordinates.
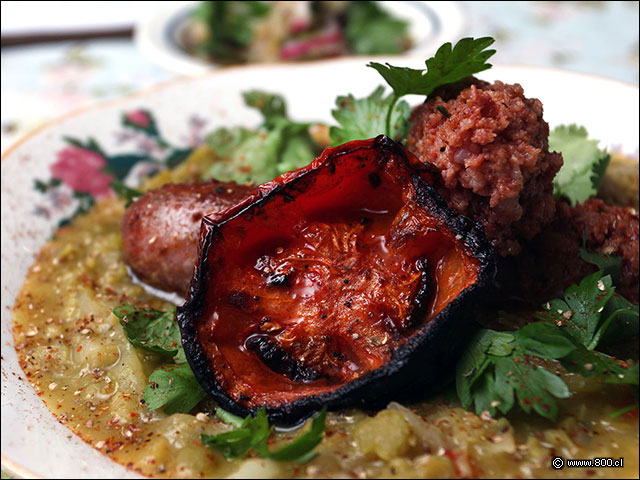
(253, 433)
(443, 111)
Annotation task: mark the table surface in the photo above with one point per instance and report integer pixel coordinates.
(44, 81)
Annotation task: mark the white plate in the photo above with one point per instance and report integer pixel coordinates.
(33, 442)
(431, 25)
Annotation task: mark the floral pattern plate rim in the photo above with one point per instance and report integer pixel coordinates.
(123, 139)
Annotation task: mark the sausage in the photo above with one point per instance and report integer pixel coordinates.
(160, 230)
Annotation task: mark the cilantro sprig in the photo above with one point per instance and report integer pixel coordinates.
(502, 367)
(172, 387)
(253, 433)
(448, 65)
(584, 163)
(258, 155)
(359, 117)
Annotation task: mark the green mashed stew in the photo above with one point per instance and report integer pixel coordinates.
(96, 381)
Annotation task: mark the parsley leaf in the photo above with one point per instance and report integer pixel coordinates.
(620, 320)
(579, 311)
(253, 432)
(505, 372)
(300, 450)
(370, 30)
(229, 418)
(589, 363)
(127, 193)
(173, 388)
(364, 118)
(609, 264)
(499, 368)
(584, 163)
(449, 65)
(272, 106)
(278, 145)
(152, 330)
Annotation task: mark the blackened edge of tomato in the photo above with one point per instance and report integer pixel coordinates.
(411, 365)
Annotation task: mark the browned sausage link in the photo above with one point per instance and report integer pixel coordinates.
(160, 230)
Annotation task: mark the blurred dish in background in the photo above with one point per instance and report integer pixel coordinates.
(191, 38)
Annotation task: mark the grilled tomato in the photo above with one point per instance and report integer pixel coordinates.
(340, 283)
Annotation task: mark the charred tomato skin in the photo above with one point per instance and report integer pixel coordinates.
(419, 362)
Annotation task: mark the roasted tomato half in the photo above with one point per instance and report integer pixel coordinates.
(339, 284)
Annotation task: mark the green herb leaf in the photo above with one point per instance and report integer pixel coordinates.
(533, 386)
(127, 193)
(272, 106)
(608, 264)
(229, 418)
(584, 163)
(230, 26)
(449, 65)
(300, 450)
(499, 368)
(364, 118)
(277, 146)
(473, 362)
(152, 330)
(371, 30)
(254, 432)
(503, 371)
(606, 369)
(580, 310)
(624, 410)
(173, 388)
(619, 321)
(544, 340)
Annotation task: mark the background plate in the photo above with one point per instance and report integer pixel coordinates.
(430, 25)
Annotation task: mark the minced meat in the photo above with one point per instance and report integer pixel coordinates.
(490, 145)
(551, 261)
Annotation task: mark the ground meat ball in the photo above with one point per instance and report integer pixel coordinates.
(551, 261)
(490, 145)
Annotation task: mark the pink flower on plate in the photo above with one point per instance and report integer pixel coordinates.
(139, 118)
(81, 170)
